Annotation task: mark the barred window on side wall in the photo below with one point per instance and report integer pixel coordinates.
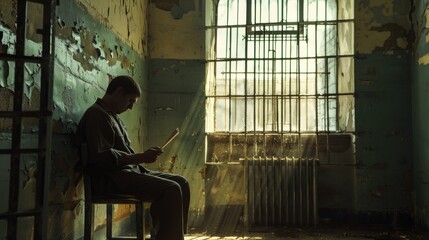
(280, 77)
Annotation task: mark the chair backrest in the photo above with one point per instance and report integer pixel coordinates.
(93, 186)
(85, 173)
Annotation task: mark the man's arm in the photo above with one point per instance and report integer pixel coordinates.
(148, 156)
(101, 137)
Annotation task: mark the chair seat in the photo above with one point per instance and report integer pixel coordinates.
(116, 199)
(109, 200)
(92, 198)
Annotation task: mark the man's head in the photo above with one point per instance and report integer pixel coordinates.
(128, 85)
(121, 94)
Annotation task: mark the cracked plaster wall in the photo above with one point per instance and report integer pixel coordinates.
(90, 48)
(124, 18)
(89, 53)
(382, 26)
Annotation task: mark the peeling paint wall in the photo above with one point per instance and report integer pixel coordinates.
(89, 53)
(124, 18)
(95, 41)
(383, 26)
(384, 39)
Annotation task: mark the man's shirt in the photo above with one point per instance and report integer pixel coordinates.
(107, 140)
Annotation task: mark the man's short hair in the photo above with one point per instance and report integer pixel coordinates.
(127, 83)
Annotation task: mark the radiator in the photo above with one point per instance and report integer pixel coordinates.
(281, 191)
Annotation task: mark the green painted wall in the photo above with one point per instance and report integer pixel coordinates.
(420, 115)
(88, 53)
(391, 104)
(176, 100)
(176, 95)
(384, 39)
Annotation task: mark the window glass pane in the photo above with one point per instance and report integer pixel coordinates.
(346, 41)
(345, 9)
(237, 115)
(346, 113)
(345, 75)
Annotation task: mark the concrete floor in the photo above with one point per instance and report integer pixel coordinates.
(320, 233)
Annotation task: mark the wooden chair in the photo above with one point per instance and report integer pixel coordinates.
(91, 199)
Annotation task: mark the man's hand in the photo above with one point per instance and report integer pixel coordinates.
(151, 154)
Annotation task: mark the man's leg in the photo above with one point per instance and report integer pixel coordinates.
(170, 218)
(186, 195)
(162, 192)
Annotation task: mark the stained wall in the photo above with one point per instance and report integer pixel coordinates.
(384, 46)
(176, 98)
(373, 184)
(420, 113)
(95, 41)
(161, 44)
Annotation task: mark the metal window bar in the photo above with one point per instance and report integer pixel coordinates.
(39, 214)
(285, 80)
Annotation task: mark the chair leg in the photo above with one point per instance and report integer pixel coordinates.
(140, 223)
(109, 220)
(88, 221)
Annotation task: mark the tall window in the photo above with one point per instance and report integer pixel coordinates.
(277, 69)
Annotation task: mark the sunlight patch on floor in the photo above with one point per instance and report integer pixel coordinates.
(202, 237)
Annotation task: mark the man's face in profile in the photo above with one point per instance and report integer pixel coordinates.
(126, 102)
(123, 101)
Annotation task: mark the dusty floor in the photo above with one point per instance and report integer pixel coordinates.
(319, 233)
